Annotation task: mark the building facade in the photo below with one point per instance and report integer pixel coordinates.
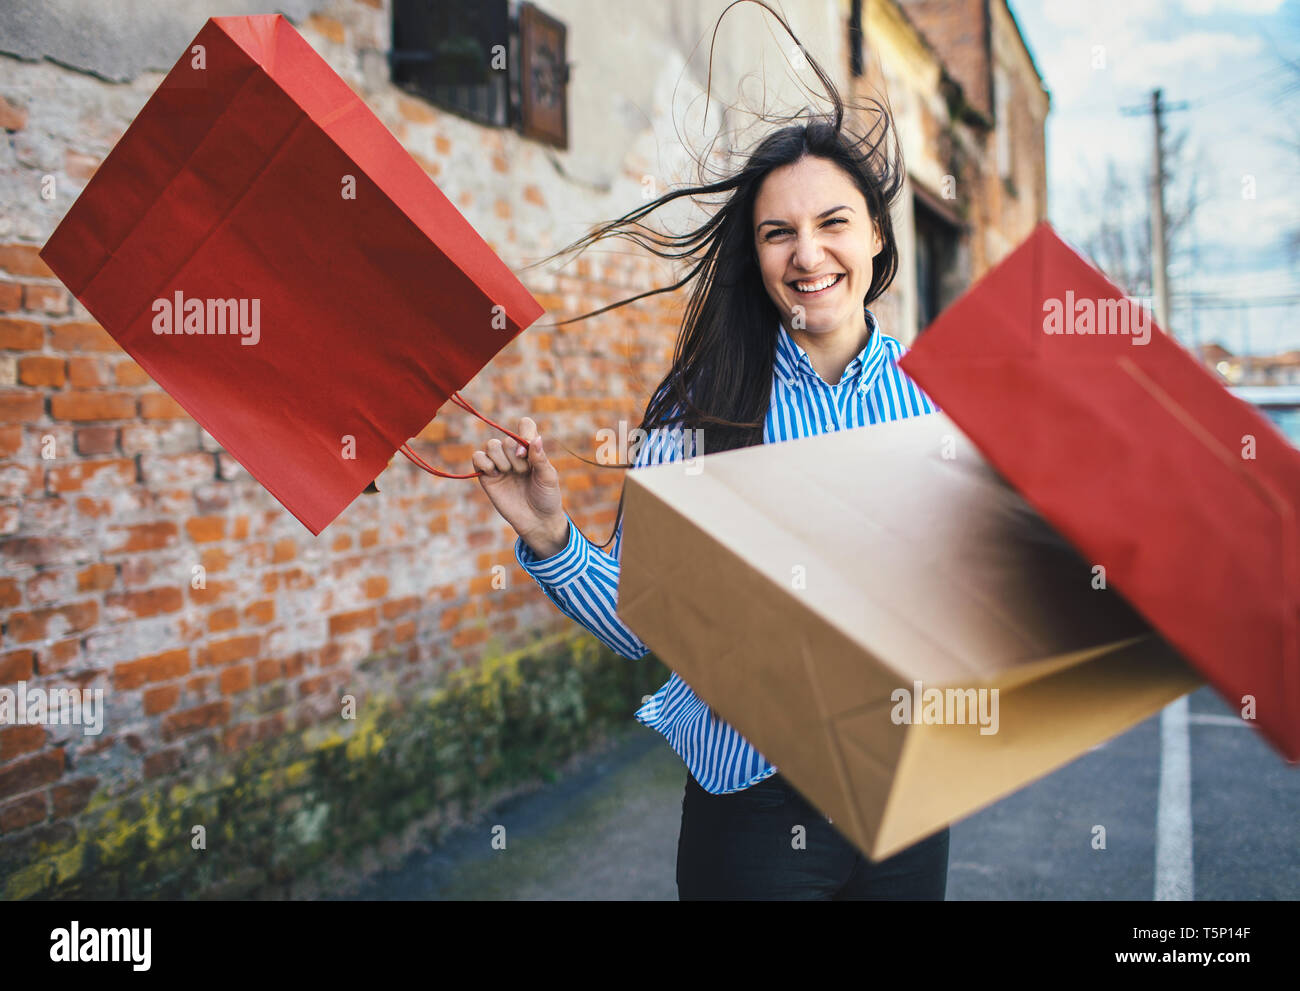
(111, 495)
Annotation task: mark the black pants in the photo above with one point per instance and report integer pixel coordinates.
(744, 846)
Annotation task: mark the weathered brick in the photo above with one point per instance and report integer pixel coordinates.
(31, 772)
(143, 604)
(465, 638)
(160, 406)
(11, 297)
(214, 560)
(40, 369)
(18, 481)
(40, 551)
(142, 536)
(330, 27)
(56, 621)
(260, 613)
(17, 740)
(200, 717)
(16, 665)
(85, 372)
(98, 440)
(236, 679)
(162, 762)
(45, 299)
(269, 670)
(213, 593)
(78, 165)
(58, 656)
(400, 607)
(203, 529)
(90, 476)
(222, 652)
(315, 685)
(157, 667)
(96, 578)
(24, 811)
(49, 586)
(358, 619)
(83, 406)
(20, 335)
(24, 259)
(21, 407)
(12, 116)
(220, 620)
(159, 437)
(69, 798)
(81, 336)
(11, 441)
(128, 373)
(161, 471)
(161, 699)
(415, 110)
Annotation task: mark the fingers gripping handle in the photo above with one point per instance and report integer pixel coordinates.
(419, 462)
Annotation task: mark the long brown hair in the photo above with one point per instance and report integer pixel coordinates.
(725, 354)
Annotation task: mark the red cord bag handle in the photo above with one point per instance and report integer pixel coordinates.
(419, 462)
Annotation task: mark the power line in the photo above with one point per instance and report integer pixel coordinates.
(1239, 86)
(1187, 300)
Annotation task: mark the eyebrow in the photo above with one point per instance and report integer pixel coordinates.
(820, 216)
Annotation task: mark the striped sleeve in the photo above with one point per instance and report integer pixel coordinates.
(910, 397)
(582, 580)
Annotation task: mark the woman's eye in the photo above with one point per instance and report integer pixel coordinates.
(837, 220)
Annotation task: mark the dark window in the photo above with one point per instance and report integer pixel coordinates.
(474, 59)
(938, 275)
(455, 54)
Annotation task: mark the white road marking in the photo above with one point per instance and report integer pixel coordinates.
(1174, 807)
(1212, 719)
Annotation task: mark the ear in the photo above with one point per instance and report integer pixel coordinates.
(877, 245)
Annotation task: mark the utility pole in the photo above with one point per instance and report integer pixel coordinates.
(1159, 243)
(1159, 240)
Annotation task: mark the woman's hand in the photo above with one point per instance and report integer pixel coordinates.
(525, 489)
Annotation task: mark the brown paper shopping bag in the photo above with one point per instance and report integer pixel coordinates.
(886, 620)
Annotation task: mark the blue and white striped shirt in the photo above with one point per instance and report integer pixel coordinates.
(582, 580)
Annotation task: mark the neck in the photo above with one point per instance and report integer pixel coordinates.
(831, 351)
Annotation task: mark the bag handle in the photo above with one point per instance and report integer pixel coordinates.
(419, 462)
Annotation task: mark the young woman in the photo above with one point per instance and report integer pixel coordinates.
(776, 343)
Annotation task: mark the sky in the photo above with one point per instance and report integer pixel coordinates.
(1224, 59)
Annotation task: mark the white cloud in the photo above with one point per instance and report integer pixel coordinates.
(1201, 51)
(1117, 14)
(1203, 8)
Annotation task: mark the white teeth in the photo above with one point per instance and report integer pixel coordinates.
(816, 286)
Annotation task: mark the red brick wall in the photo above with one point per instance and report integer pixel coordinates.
(99, 544)
(958, 30)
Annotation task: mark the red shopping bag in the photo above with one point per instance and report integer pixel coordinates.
(275, 260)
(1185, 495)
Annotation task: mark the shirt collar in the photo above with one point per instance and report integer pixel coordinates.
(795, 367)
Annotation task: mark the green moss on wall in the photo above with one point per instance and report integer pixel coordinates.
(292, 809)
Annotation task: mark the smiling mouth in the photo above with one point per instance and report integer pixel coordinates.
(824, 287)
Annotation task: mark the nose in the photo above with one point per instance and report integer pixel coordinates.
(808, 252)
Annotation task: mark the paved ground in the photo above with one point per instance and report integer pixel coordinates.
(609, 829)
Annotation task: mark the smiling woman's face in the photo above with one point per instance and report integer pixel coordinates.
(812, 223)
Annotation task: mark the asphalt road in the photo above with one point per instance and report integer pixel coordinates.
(608, 829)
